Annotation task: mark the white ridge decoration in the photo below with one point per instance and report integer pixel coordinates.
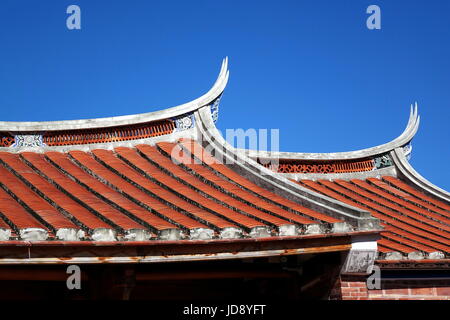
(28, 140)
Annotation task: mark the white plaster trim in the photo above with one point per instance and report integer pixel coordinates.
(364, 245)
(405, 168)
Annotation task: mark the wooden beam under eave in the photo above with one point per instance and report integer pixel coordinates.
(175, 257)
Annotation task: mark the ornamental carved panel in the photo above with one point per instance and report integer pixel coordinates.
(184, 122)
(359, 261)
(303, 166)
(27, 140)
(215, 109)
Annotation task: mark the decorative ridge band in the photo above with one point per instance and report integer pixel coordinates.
(104, 135)
(87, 136)
(327, 166)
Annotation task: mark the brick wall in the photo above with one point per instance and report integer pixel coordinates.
(412, 290)
(355, 288)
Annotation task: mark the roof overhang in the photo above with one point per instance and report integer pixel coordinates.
(89, 252)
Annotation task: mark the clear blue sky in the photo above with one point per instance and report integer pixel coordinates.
(309, 68)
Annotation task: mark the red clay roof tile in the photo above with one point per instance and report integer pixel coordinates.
(412, 223)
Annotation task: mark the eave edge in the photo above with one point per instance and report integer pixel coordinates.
(407, 171)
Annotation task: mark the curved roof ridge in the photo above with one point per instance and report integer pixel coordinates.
(403, 139)
(406, 169)
(214, 92)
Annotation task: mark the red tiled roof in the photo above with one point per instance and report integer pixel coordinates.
(140, 188)
(413, 221)
(200, 154)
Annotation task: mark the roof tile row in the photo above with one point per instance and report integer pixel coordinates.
(413, 221)
(120, 192)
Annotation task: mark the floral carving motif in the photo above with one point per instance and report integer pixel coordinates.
(407, 150)
(215, 109)
(184, 122)
(28, 140)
